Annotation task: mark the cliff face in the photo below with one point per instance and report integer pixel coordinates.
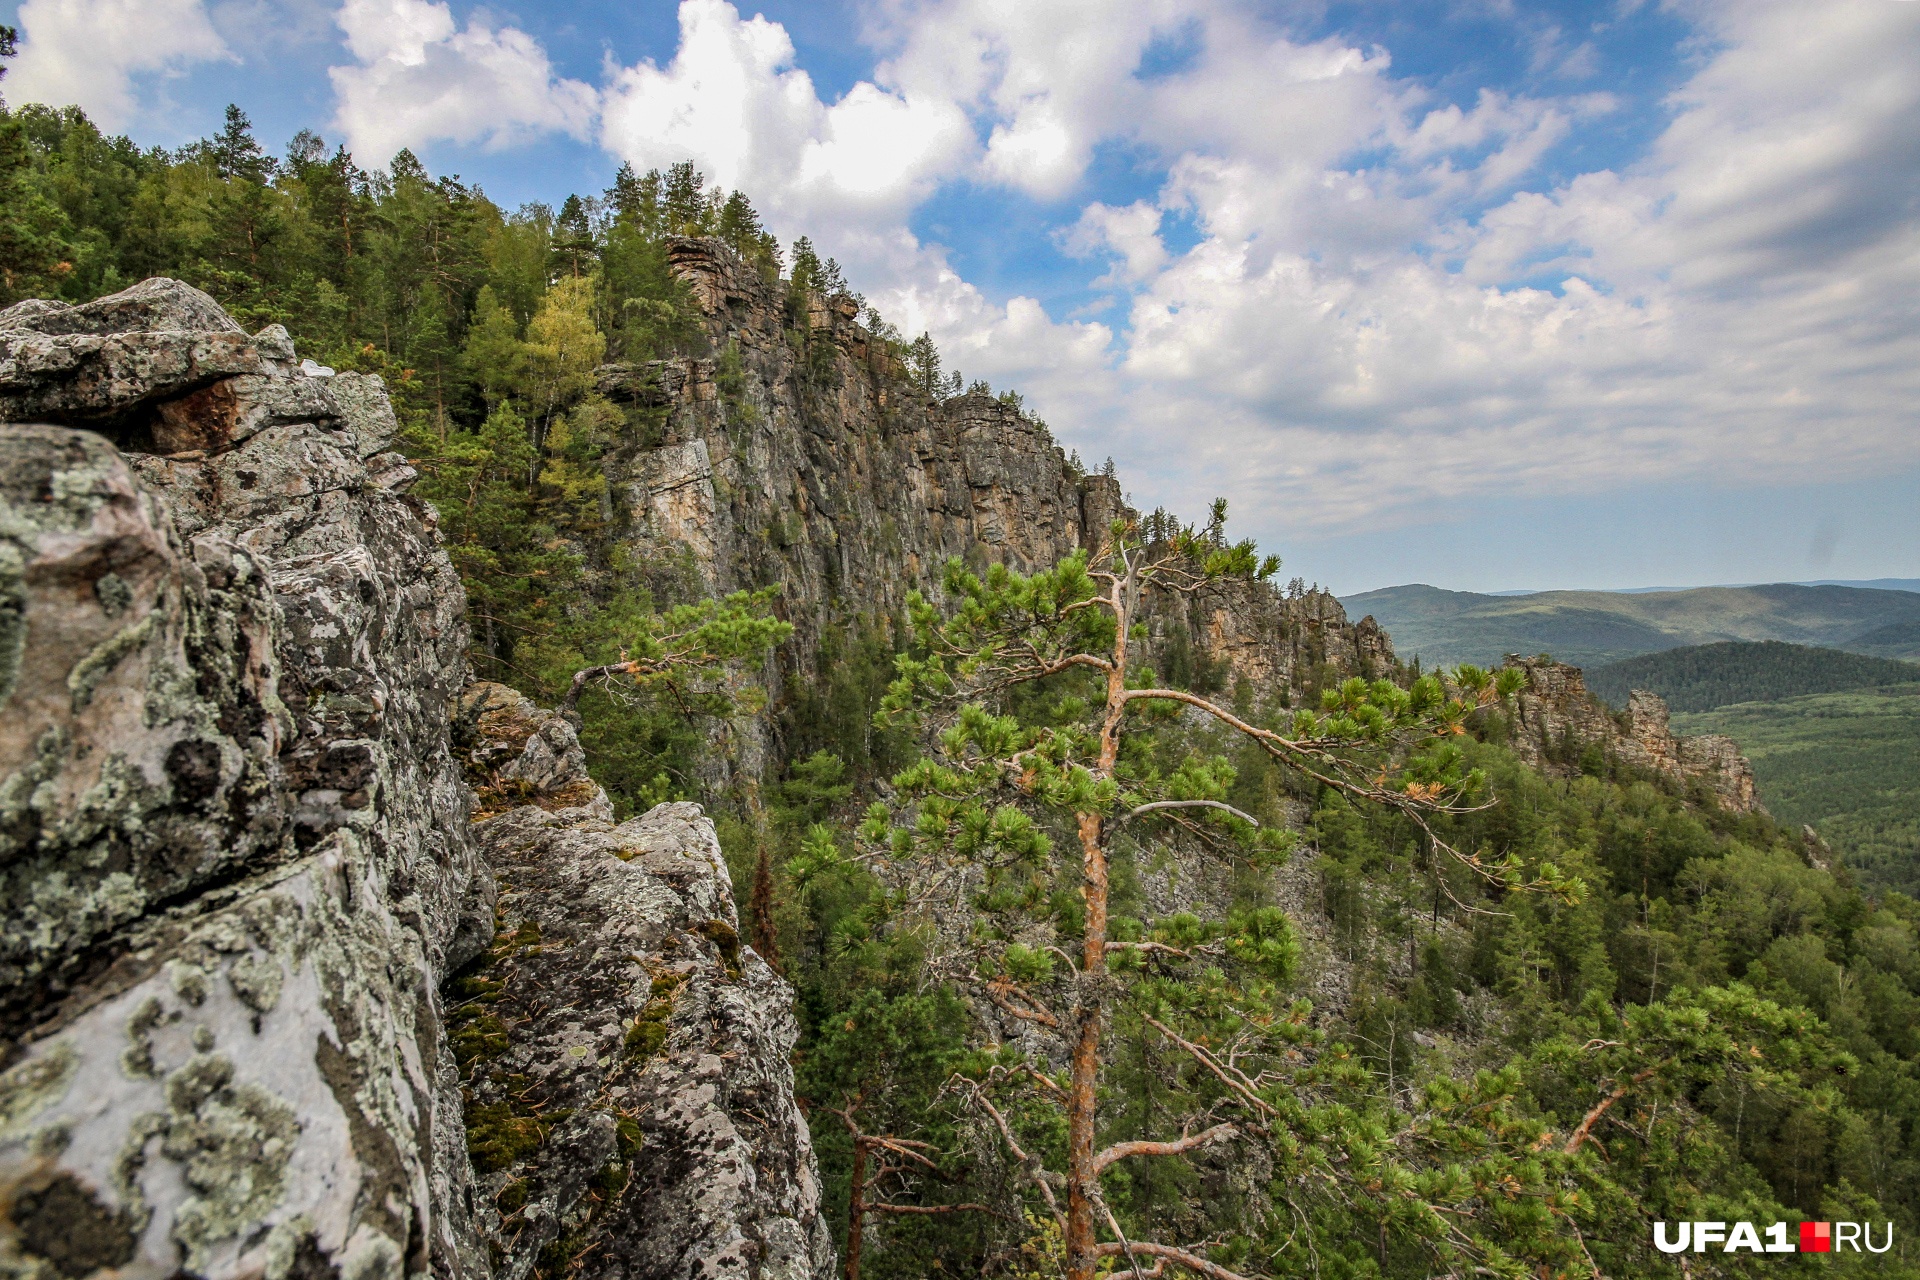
(801, 455)
(1557, 719)
(235, 856)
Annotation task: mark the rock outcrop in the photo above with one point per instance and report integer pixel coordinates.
(1557, 720)
(234, 849)
(235, 856)
(625, 1057)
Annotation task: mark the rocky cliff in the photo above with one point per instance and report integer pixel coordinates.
(1557, 720)
(802, 454)
(235, 857)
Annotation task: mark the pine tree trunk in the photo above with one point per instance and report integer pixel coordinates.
(856, 1208)
(1083, 1095)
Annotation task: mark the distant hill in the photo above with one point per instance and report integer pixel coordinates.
(1848, 763)
(1702, 677)
(1593, 628)
(1895, 640)
(1883, 584)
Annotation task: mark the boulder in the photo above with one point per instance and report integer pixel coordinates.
(232, 832)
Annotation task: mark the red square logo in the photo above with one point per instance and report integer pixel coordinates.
(1816, 1237)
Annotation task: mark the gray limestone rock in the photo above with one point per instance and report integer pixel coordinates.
(362, 398)
(800, 453)
(116, 361)
(624, 1055)
(235, 856)
(233, 838)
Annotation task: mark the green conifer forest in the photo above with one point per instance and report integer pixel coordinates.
(1422, 1012)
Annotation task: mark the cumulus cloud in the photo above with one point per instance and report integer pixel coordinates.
(419, 77)
(1132, 234)
(732, 102)
(94, 53)
(1356, 340)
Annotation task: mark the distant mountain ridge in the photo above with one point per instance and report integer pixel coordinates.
(1593, 628)
(1703, 677)
(1877, 584)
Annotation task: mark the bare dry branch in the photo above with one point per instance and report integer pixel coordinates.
(1240, 1086)
(1187, 804)
(1121, 1150)
(1179, 1257)
(1585, 1128)
(1029, 1165)
(997, 992)
(1150, 947)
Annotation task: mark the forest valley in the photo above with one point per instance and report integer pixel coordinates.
(1100, 969)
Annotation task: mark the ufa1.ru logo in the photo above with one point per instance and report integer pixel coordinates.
(1815, 1237)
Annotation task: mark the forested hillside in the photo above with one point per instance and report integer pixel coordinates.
(1834, 737)
(1702, 677)
(1846, 763)
(1616, 1004)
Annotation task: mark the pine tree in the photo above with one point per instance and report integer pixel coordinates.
(494, 355)
(923, 365)
(684, 206)
(234, 151)
(807, 274)
(575, 248)
(739, 225)
(1045, 723)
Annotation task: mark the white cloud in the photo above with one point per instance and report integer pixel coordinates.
(1051, 80)
(1349, 301)
(1348, 344)
(420, 78)
(732, 102)
(90, 53)
(1132, 233)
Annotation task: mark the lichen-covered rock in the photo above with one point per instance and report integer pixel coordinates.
(236, 862)
(140, 720)
(143, 362)
(518, 753)
(1557, 720)
(630, 1107)
(232, 830)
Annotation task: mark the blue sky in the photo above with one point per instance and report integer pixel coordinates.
(1483, 294)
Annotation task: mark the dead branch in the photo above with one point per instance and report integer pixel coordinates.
(1600, 1109)
(1029, 1165)
(1187, 804)
(1121, 1150)
(1044, 1081)
(1240, 1086)
(1179, 1257)
(997, 992)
